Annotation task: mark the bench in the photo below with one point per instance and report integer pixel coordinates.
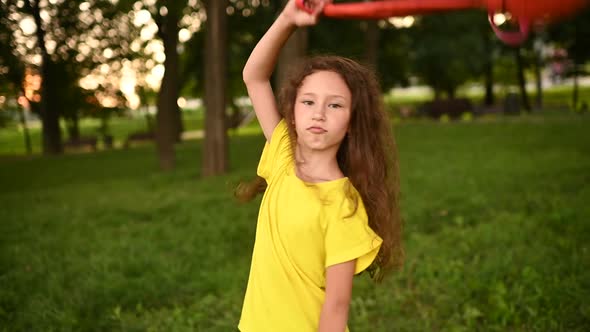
(141, 137)
(84, 143)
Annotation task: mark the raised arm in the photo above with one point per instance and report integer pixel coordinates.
(262, 60)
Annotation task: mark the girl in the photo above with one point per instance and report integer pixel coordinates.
(329, 176)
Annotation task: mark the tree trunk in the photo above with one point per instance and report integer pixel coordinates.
(178, 124)
(146, 110)
(23, 121)
(538, 80)
(166, 126)
(51, 135)
(576, 87)
(215, 154)
(489, 71)
(372, 44)
(149, 121)
(437, 93)
(73, 127)
(451, 92)
(293, 51)
(521, 80)
(52, 141)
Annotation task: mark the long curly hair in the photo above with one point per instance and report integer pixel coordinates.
(367, 155)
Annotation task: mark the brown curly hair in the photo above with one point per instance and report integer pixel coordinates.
(367, 155)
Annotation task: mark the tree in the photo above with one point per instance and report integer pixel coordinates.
(168, 120)
(538, 63)
(448, 50)
(247, 22)
(574, 35)
(488, 67)
(215, 159)
(48, 107)
(394, 61)
(12, 69)
(72, 38)
(292, 52)
(244, 24)
(371, 42)
(170, 18)
(520, 67)
(347, 42)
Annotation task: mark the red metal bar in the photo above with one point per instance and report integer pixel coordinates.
(525, 11)
(385, 9)
(533, 10)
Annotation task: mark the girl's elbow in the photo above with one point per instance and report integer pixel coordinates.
(250, 79)
(246, 76)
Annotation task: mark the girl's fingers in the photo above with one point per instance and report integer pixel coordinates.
(319, 8)
(312, 7)
(309, 14)
(304, 5)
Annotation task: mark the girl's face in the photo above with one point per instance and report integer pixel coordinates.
(322, 111)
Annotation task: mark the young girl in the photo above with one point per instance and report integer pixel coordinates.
(329, 176)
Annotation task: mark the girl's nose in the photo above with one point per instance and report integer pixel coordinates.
(319, 113)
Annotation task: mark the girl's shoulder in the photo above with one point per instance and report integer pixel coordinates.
(343, 199)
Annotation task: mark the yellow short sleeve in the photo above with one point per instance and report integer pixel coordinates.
(350, 237)
(276, 153)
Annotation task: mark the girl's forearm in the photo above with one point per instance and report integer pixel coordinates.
(333, 318)
(263, 58)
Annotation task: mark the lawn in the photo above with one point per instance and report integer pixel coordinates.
(497, 229)
(12, 140)
(555, 97)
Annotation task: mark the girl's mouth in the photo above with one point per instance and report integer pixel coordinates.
(316, 130)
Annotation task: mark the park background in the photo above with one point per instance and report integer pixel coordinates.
(124, 129)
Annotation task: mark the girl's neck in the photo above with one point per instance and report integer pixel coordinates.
(316, 166)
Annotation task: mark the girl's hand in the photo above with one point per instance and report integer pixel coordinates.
(302, 18)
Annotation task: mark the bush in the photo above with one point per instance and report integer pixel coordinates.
(7, 117)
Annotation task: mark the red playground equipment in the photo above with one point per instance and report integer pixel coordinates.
(526, 12)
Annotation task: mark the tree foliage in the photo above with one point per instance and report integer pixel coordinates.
(448, 49)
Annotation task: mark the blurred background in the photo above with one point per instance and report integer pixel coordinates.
(125, 126)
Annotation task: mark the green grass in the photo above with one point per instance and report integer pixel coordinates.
(497, 228)
(12, 140)
(556, 98)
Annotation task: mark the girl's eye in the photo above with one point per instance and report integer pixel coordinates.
(307, 102)
(335, 106)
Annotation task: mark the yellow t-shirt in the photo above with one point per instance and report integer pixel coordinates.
(302, 229)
